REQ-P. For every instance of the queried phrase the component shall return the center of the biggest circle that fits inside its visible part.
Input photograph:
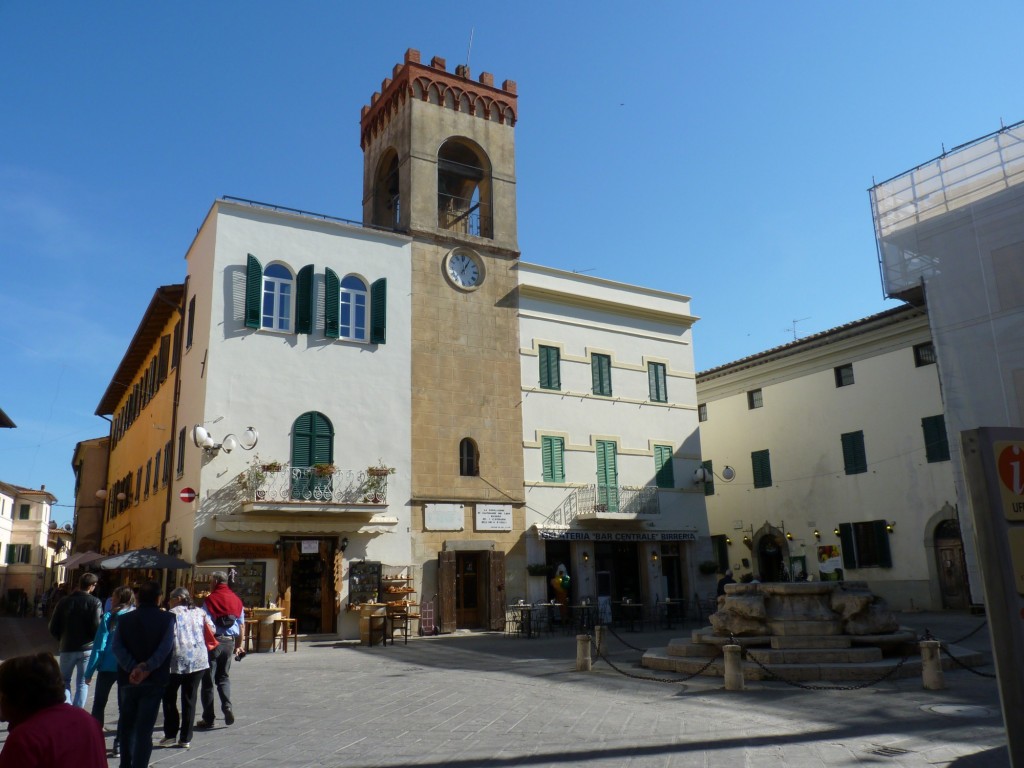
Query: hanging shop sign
(494, 517)
(212, 549)
(444, 517)
(553, 534)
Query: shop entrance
(621, 563)
(949, 549)
(672, 571)
(471, 589)
(770, 559)
(306, 577)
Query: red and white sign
(187, 495)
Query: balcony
(464, 215)
(607, 502)
(321, 489)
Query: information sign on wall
(444, 517)
(494, 517)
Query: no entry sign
(187, 494)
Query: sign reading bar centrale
(559, 535)
(494, 517)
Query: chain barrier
(963, 665)
(811, 687)
(617, 637)
(601, 655)
(971, 633)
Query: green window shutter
(656, 382)
(663, 474)
(846, 541)
(762, 466)
(550, 368)
(553, 459)
(312, 443)
(304, 300)
(332, 300)
(379, 311)
(709, 485)
(936, 444)
(854, 457)
(882, 542)
(601, 373)
(253, 291)
(607, 475)
(165, 358)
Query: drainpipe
(174, 422)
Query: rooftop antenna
(792, 328)
(469, 48)
(583, 271)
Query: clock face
(463, 270)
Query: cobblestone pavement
(483, 699)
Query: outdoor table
(630, 614)
(525, 619)
(583, 617)
(671, 609)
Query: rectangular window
(601, 372)
(607, 475)
(24, 512)
(165, 476)
(936, 446)
(19, 554)
(164, 358)
(855, 459)
(924, 354)
(702, 411)
(181, 452)
(664, 477)
(656, 382)
(761, 463)
(844, 375)
(552, 450)
(709, 484)
(149, 478)
(191, 322)
(865, 545)
(754, 399)
(156, 471)
(550, 367)
(176, 345)
(138, 484)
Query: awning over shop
(80, 559)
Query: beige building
(829, 456)
(89, 463)
(24, 529)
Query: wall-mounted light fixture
(101, 494)
(836, 531)
(817, 534)
(203, 439)
(890, 526)
(728, 541)
(344, 544)
(586, 557)
(746, 540)
(174, 547)
(789, 536)
(654, 556)
(705, 475)
(121, 496)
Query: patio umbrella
(144, 558)
(79, 559)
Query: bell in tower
(439, 154)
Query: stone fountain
(817, 630)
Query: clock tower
(439, 165)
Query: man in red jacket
(228, 615)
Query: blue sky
(720, 150)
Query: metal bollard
(599, 639)
(733, 667)
(931, 666)
(582, 653)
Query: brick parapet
(412, 79)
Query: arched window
(312, 444)
(469, 458)
(277, 298)
(353, 309)
(464, 189)
(386, 201)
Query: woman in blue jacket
(102, 657)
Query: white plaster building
(831, 453)
(296, 325)
(24, 525)
(610, 438)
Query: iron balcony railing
(316, 485)
(627, 501)
(460, 214)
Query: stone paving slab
(484, 699)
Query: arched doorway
(949, 551)
(772, 554)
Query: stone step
(816, 655)
(782, 643)
(800, 627)
(680, 647)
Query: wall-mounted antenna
(469, 48)
(792, 328)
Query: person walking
(142, 644)
(45, 731)
(228, 615)
(189, 662)
(102, 662)
(74, 623)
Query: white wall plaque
(444, 517)
(494, 517)
(310, 546)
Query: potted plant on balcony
(376, 481)
(323, 470)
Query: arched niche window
(464, 189)
(386, 199)
(275, 300)
(352, 312)
(469, 458)
(352, 309)
(312, 445)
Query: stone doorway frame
(778, 536)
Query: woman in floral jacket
(189, 660)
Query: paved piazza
(484, 699)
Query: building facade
(829, 457)
(24, 529)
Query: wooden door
(952, 573)
(469, 589)
(445, 619)
(496, 590)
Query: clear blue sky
(717, 149)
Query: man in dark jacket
(142, 644)
(74, 623)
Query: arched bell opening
(386, 197)
(464, 189)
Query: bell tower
(439, 165)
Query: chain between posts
(601, 655)
(944, 647)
